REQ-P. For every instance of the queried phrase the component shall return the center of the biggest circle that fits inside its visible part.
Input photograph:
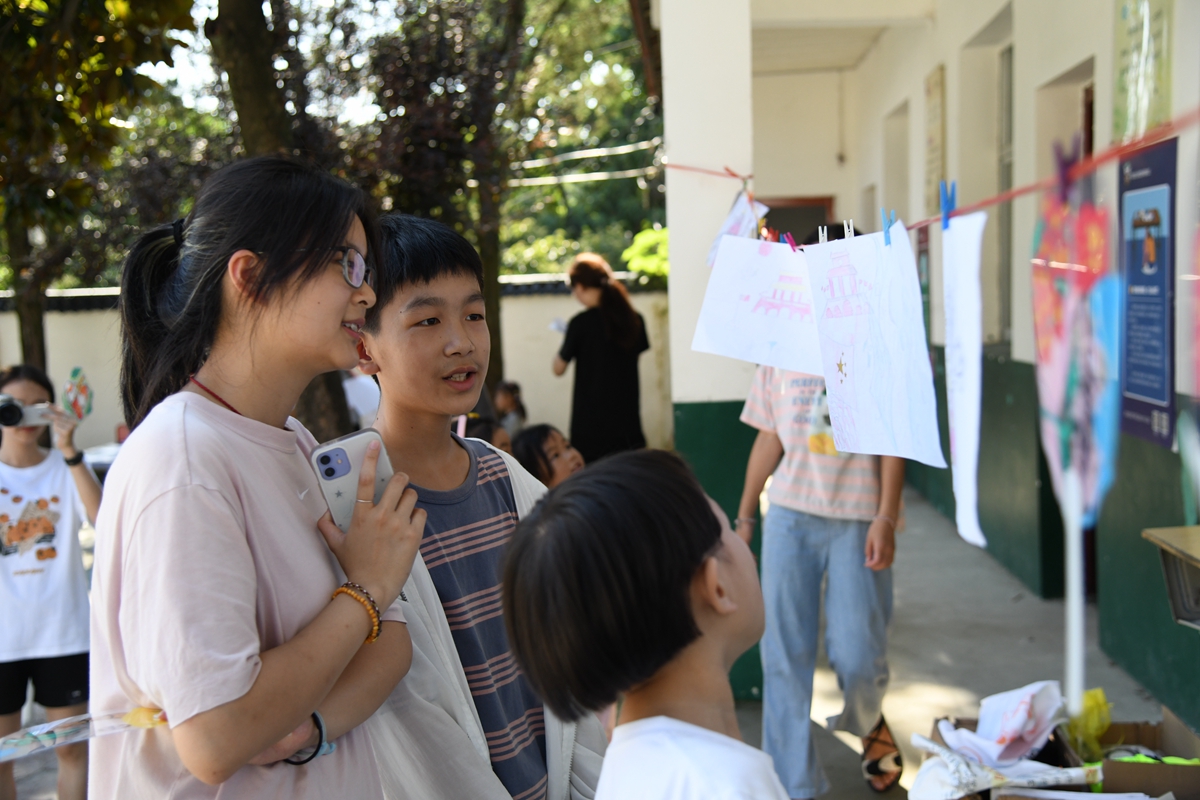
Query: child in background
(628, 579)
(509, 407)
(547, 454)
(465, 723)
(46, 495)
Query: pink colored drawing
(845, 290)
(789, 295)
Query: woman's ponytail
(291, 214)
(621, 320)
(149, 269)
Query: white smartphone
(339, 463)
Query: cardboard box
(1169, 737)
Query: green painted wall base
(1136, 627)
(717, 446)
(1020, 516)
(1017, 509)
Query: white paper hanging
(962, 245)
(742, 220)
(871, 329)
(758, 307)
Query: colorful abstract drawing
(1077, 316)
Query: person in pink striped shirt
(832, 515)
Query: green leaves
(648, 253)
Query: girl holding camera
(45, 495)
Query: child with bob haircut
(464, 722)
(546, 453)
(627, 579)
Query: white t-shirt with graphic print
(43, 590)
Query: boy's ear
(365, 362)
(710, 587)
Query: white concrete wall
(708, 123)
(1049, 40)
(88, 339)
(91, 339)
(530, 346)
(797, 141)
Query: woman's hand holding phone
(379, 549)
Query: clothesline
(727, 173)
(1079, 170)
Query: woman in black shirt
(605, 341)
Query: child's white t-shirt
(661, 758)
(43, 590)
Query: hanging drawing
(758, 307)
(962, 250)
(1077, 324)
(744, 219)
(871, 336)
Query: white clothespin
(822, 234)
(848, 228)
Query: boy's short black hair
(418, 250)
(598, 576)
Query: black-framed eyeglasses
(354, 267)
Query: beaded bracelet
(358, 587)
(886, 519)
(367, 602)
(737, 522)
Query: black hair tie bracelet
(323, 747)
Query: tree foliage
(67, 79)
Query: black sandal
(887, 764)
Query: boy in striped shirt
(832, 515)
(427, 343)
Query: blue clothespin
(887, 225)
(949, 202)
(1064, 161)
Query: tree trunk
(323, 408)
(245, 50)
(30, 305)
(490, 180)
(27, 296)
(651, 48)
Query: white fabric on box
(1011, 726)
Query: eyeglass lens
(354, 267)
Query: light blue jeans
(798, 550)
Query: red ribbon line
(727, 173)
(1084, 167)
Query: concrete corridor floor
(963, 628)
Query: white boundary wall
(91, 339)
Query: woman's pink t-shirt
(207, 554)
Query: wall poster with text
(1147, 256)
